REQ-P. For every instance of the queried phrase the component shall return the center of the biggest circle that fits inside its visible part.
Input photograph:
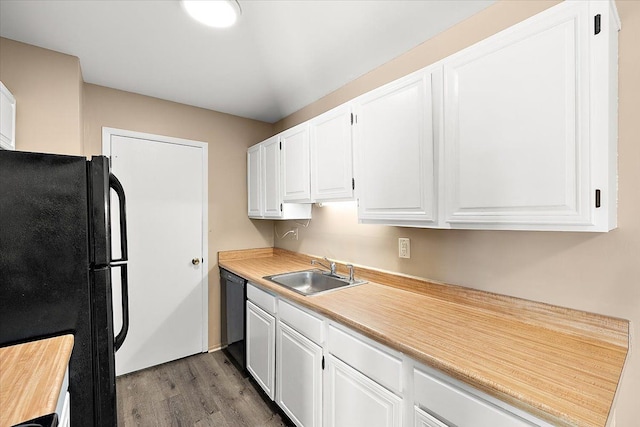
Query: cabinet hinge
(596, 24)
(323, 363)
(353, 183)
(597, 198)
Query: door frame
(107, 133)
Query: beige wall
(47, 86)
(228, 138)
(594, 272)
(58, 113)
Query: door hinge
(353, 183)
(323, 363)
(280, 207)
(597, 198)
(596, 24)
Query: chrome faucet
(331, 267)
(351, 276)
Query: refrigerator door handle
(117, 187)
(124, 279)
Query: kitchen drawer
(262, 299)
(457, 407)
(305, 323)
(377, 364)
(423, 419)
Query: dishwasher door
(235, 290)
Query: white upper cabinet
(254, 181)
(7, 119)
(271, 195)
(295, 164)
(264, 184)
(395, 135)
(332, 155)
(530, 124)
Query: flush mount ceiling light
(214, 13)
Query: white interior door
(166, 199)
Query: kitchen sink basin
(312, 282)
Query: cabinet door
(517, 125)
(299, 377)
(295, 164)
(7, 119)
(332, 155)
(422, 419)
(261, 329)
(354, 400)
(254, 180)
(271, 196)
(395, 152)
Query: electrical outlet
(404, 247)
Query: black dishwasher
(235, 290)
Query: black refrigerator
(56, 267)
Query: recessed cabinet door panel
(299, 368)
(396, 151)
(356, 401)
(331, 156)
(261, 335)
(516, 132)
(253, 181)
(271, 178)
(295, 164)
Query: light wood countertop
(559, 364)
(31, 376)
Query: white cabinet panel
(459, 408)
(7, 119)
(518, 145)
(264, 184)
(295, 164)
(332, 155)
(261, 329)
(262, 299)
(254, 181)
(299, 377)
(354, 400)
(310, 326)
(373, 361)
(271, 197)
(422, 419)
(395, 152)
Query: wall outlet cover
(404, 247)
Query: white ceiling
(280, 57)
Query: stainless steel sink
(312, 282)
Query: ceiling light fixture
(214, 13)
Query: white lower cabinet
(422, 419)
(261, 345)
(321, 373)
(65, 415)
(299, 377)
(353, 399)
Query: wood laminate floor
(201, 390)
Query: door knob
(195, 261)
